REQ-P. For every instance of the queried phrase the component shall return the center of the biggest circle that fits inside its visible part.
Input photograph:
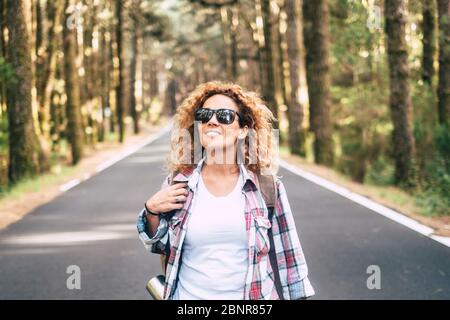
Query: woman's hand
(168, 199)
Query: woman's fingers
(172, 198)
(179, 199)
(179, 191)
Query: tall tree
(73, 112)
(2, 52)
(226, 31)
(317, 44)
(268, 85)
(24, 147)
(120, 87)
(105, 76)
(429, 42)
(296, 68)
(135, 30)
(400, 100)
(46, 63)
(444, 61)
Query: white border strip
(365, 202)
(130, 150)
(69, 185)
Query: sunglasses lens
(203, 115)
(225, 116)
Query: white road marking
(368, 203)
(69, 185)
(130, 150)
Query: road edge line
(367, 203)
(125, 153)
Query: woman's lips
(212, 133)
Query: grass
(56, 174)
(60, 170)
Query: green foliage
(435, 179)
(432, 153)
(363, 129)
(7, 74)
(380, 172)
(354, 43)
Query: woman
(212, 222)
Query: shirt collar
(192, 176)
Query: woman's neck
(212, 169)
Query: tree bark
(225, 15)
(24, 147)
(73, 112)
(234, 44)
(268, 85)
(104, 80)
(46, 65)
(2, 53)
(317, 43)
(399, 99)
(429, 43)
(120, 94)
(295, 56)
(133, 64)
(444, 61)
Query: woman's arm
(291, 260)
(153, 229)
(156, 240)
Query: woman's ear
(243, 132)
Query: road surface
(92, 226)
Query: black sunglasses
(224, 116)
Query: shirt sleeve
(153, 243)
(291, 260)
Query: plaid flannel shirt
(259, 283)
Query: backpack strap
(268, 189)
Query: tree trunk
(113, 79)
(45, 68)
(295, 107)
(234, 44)
(2, 53)
(444, 61)
(171, 97)
(282, 55)
(24, 147)
(226, 32)
(133, 63)
(73, 113)
(317, 43)
(268, 85)
(279, 56)
(105, 80)
(400, 100)
(120, 94)
(429, 43)
(89, 93)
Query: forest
(359, 86)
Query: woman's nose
(213, 120)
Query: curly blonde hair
(254, 113)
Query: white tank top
(214, 262)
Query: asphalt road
(92, 226)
